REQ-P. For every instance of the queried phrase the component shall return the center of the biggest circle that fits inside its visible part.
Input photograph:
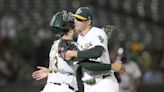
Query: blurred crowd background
(25, 39)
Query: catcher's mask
(61, 22)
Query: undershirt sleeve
(94, 66)
(94, 52)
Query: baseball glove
(108, 30)
(65, 45)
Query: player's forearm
(94, 52)
(90, 53)
(95, 66)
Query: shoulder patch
(101, 38)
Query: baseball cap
(83, 13)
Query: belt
(104, 76)
(70, 87)
(93, 81)
(64, 72)
(52, 71)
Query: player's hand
(41, 73)
(118, 67)
(70, 54)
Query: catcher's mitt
(65, 45)
(108, 30)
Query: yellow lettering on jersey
(87, 46)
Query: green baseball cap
(83, 13)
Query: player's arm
(97, 66)
(94, 52)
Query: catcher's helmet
(61, 22)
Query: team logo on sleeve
(101, 38)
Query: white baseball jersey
(62, 76)
(97, 37)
